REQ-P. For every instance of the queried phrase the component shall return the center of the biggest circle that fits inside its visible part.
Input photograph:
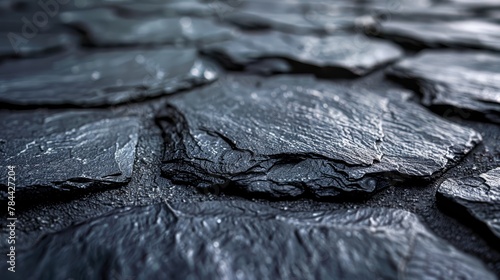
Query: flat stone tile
(66, 151)
(465, 33)
(468, 80)
(241, 240)
(337, 55)
(291, 135)
(21, 35)
(479, 195)
(102, 78)
(298, 23)
(106, 28)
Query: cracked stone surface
(464, 80)
(332, 55)
(153, 144)
(102, 78)
(244, 240)
(479, 195)
(71, 150)
(105, 28)
(320, 138)
(465, 33)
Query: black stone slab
(33, 33)
(106, 28)
(337, 55)
(241, 240)
(102, 78)
(65, 151)
(465, 80)
(425, 32)
(298, 23)
(479, 195)
(292, 135)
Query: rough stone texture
(247, 241)
(472, 33)
(331, 55)
(480, 195)
(102, 78)
(57, 212)
(105, 28)
(67, 150)
(465, 80)
(319, 138)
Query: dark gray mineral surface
(247, 241)
(464, 80)
(106, 77)
(20, 37)
(105, 28)
(319, 138)
(479, 195)
(71, 150)
(435, 33)
(249, 139)
(331, 55)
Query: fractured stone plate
(463, 79)
(348, 53)
(67, 150)
(479, 195)
(241, 240)
(469, 33)
(290, 135)
(105, 28)
(100, 78)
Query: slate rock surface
(480, 195)
(464, 80)
(298, 21)
(342, 166)
(287, 136)
(237, 240)
(105, 28)
(67, 150)
(425, 32)
(330, 55)
(101, 78)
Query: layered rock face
(319, 138)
